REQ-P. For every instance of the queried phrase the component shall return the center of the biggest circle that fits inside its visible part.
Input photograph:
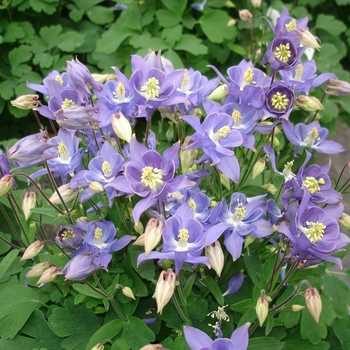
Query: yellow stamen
(98, 233)
(221, 133)
(151, 88)
(183, 237)
(62, 151)
(151, 177)
(106, 169)
(59, 79)
(192, 204)
(239, 213)
(67, 234)
(119, 93)
(312, 184)
(298, 72)
(237, 117)
(291, 25)
(184, 83)
(311, 138)
(314, 231)
(67, 103)
(248, 77)
(279, 101)
(283, 52)
(220, 314)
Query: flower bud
(297, 308)
(99, 346)
(187, 156)
(262, 308)
(152, 347)
(225, 180)
(164, 289)
(219, 93)
(313, 303)
(66, 192)
(340, 88)
(138, 227)
(49, 275)
(248, 240)
(245, 15)
(170, 132)
(256, 3)
(96, 187)
(270, 187)
(307, 39)
(258, 168)
(102, 78)
(33, 250)
(344, 221)
(153, 234)
(38, 269)
(29, 202)
(6, 183)
(215, 256)
(121, 126)
(235, 283)
(140, 240)
(26, 101)
(309, 103)
(128, 292)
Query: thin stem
(340, 175)
(323, 96)
(251, 38)
(53, 127)
(178, 308)
(11, 225)
(288, 275)
(41, 127)
(274, 269)
(148, 126)
(9, 243)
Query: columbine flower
(340, 88)
(313, 303)
(6, 184)
(197, 340)
(311, 136)
(70, 237)
(33, 250)
(29, 202)
(164, 289)
(26, 102)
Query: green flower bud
(262, 308)
(309, 103)
(219, 93)
(313, 303)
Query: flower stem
(11, 226)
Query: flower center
(220, 314)
(151, 177)
(184, 83)
(151, 88)
(98, 236)
(106, 169)
(298, 72)
(183, 237)
(237, 117)
(67, 234)
(314, 231)
(62, 151)
(119, 92)
(59, 79)
(248, 77)
(312, 136)
(283, 52)
(221, 133)
(312, 184)
(192, 204)
(287, 171)
(291, 25)
(67, 103)
(279, 101)
(239, 213)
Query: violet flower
(198, 340)
(70, 237)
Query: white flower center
(151, 88)
(151, 177)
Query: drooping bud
(245, 15)
(153, 234)
(49, 275)
(99, 346)
(128, 292)
(6, 183)
(307, 39)
(258, 168)
(38, 269)
(138, 227)
(262, 308)
(26, 101)
(297, 308)
(164, 289)
(66, 192)
(340, 88)
(33, 250)
(121, 126)
(344, 221)
(309, 103)
(187, 156)
(313, 303)
(29, 202)
(215, 256)
(96, 187)
(270, 187)
(219, 93)
(140, 240)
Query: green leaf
(174, 58)
(192, 45)
(214, 24)
(44, 59)
(107, 331)
(7, 261)
(69, 41)
(135, 326)
(85, 5)
(19, 55)
(50, 212)
(146, 41)
(101, 15)
(75, 323)
(214, 289)
(4, 248)
(15, 311)
(177, 7)
(112, 39)
(48, 6)
(86, 290)
(310, 330)
(131, 19)
(237, 49)
(50, 34)
(330, 24)
(13, 32)
(147, 18)
(189, 22)
(264, 343)
(172, 35)
(312, 3)
(341, 329)
(243, 306)
(146, 270)
(254, 269)
(7, 88)
(167, 19)
(342, 2)
(75, 15)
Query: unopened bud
(219, 93)
(309, 103)
(256, 3)
(128, 292)
(140, 241)
(215, 256)
(152, 347)
(29, 202)
(262, 308)
(340, 88)
(307, 39)
(187, 156)
(6, 183)
(231, 22)
(164, 289)
(297, 308)
(96, 187)
(248, 240)
(49, 275)
(33, 250)
(66, 193)
(26, 101)
(197, 112)
(38, 269)
(225, 180)
(121, 126)
(245, 15)
(313, 303)
(344, 221)
(270, 187)
(170, 132)
(258, 168)
(99, 346)
(138, 227)
(102, 78)
(153, 234)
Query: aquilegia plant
(169, 210)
